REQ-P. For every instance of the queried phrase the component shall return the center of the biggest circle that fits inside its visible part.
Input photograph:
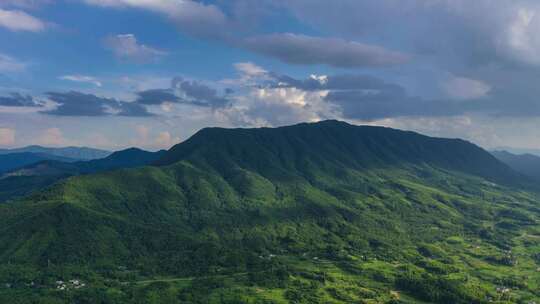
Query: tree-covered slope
(313, 213)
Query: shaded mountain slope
(526, 164)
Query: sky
(150, 73)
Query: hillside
(75, 153)
(36, 176)
(312, 213)
(526, 164)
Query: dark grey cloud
(132, 109)
(390, 103)
(185, 92)
(157, 97)
(200, 94)
(19, 100)
(302, 49)
(80, 104)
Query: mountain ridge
(77, 153)
(367, 147)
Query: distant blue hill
(38, 175)
(76, 153)
(526, 164)
(16, 160)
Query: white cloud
(278, 106)
(10, 64)
(148, 139)
(250, 69)
(7, 137)
(83, 79)
(165, 140)
(15, 20)
(249, 74)
(463, 88)
(127, 47)
(52, 137)
(520, 38)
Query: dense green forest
(312, 213)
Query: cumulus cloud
(19, 100)
(82, 79)
(7, 136)
(15, 20)
(302, 49)
(250, 69)
(80, 104)
(146, 137)
(126, 47)
(166, 140)
(52, 137)
(10, 64)
(367, 98)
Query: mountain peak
(332, 143)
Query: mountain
(526, 164)
(313, 213)
(519, 151)
(16, 160)
(288, 149)
(36, 176)
(76, 153)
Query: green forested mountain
(312, 213)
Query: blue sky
(150, 73)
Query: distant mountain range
(74, 153)
(526, 164)
(19, 159)
(519, 151)
(37, 175)
(322, 212)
